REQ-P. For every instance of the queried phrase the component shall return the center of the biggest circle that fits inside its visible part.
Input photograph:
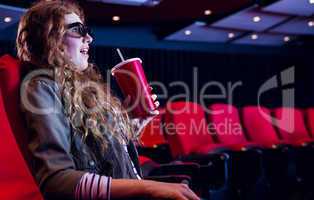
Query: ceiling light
(254, 36)
(207, 12)
(311, 1)
(286, 39)
(7, 19)
(187, 32)
(311, 23)
(115, 18)
(155, 2)
(256, 19)
(230, 35)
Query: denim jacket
(59, 156)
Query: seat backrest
(186, 128)
(258, 124)
(290, 124)
(153, 134)
(10, 84)
(16, 181)
(224, 121)
(309, 113)
(10, 80)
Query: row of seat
(186, 129)
(252, 125)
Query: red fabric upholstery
(186, 129)
(291, 126)
(225, 123)
(10, 82)
(143, 159)
(15, 170)
(152, 134)
(16, 182)
(310, 120)
(259, 128)
(10, 86)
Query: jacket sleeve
(50, 140)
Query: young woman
(80, 134)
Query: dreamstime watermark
(198, 93)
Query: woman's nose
(88, 38)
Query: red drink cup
(131, 79)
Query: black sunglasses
(81, 29)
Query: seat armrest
(189, 169)
(160, 153)
(215, 168)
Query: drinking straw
(120, 54)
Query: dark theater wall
(244, 72)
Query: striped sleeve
(93, 186)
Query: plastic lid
(124, 62)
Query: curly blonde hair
(88, 101)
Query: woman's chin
(85, 66)
(81, 67)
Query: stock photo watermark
(284, 81)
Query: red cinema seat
(187, 131)
(10, 72)
(258, 124)
(246, 157)
(16, 181)
(152, 135)
(189, 140)
(10, 84)
(225, 122)
(279, 157)
(309, 113)
(291, 126)
(152, 141)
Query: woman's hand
(140, 123)
(173, 191)
(129, 188)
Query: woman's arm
(93, 186)
(49, 139)
(126, 188)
